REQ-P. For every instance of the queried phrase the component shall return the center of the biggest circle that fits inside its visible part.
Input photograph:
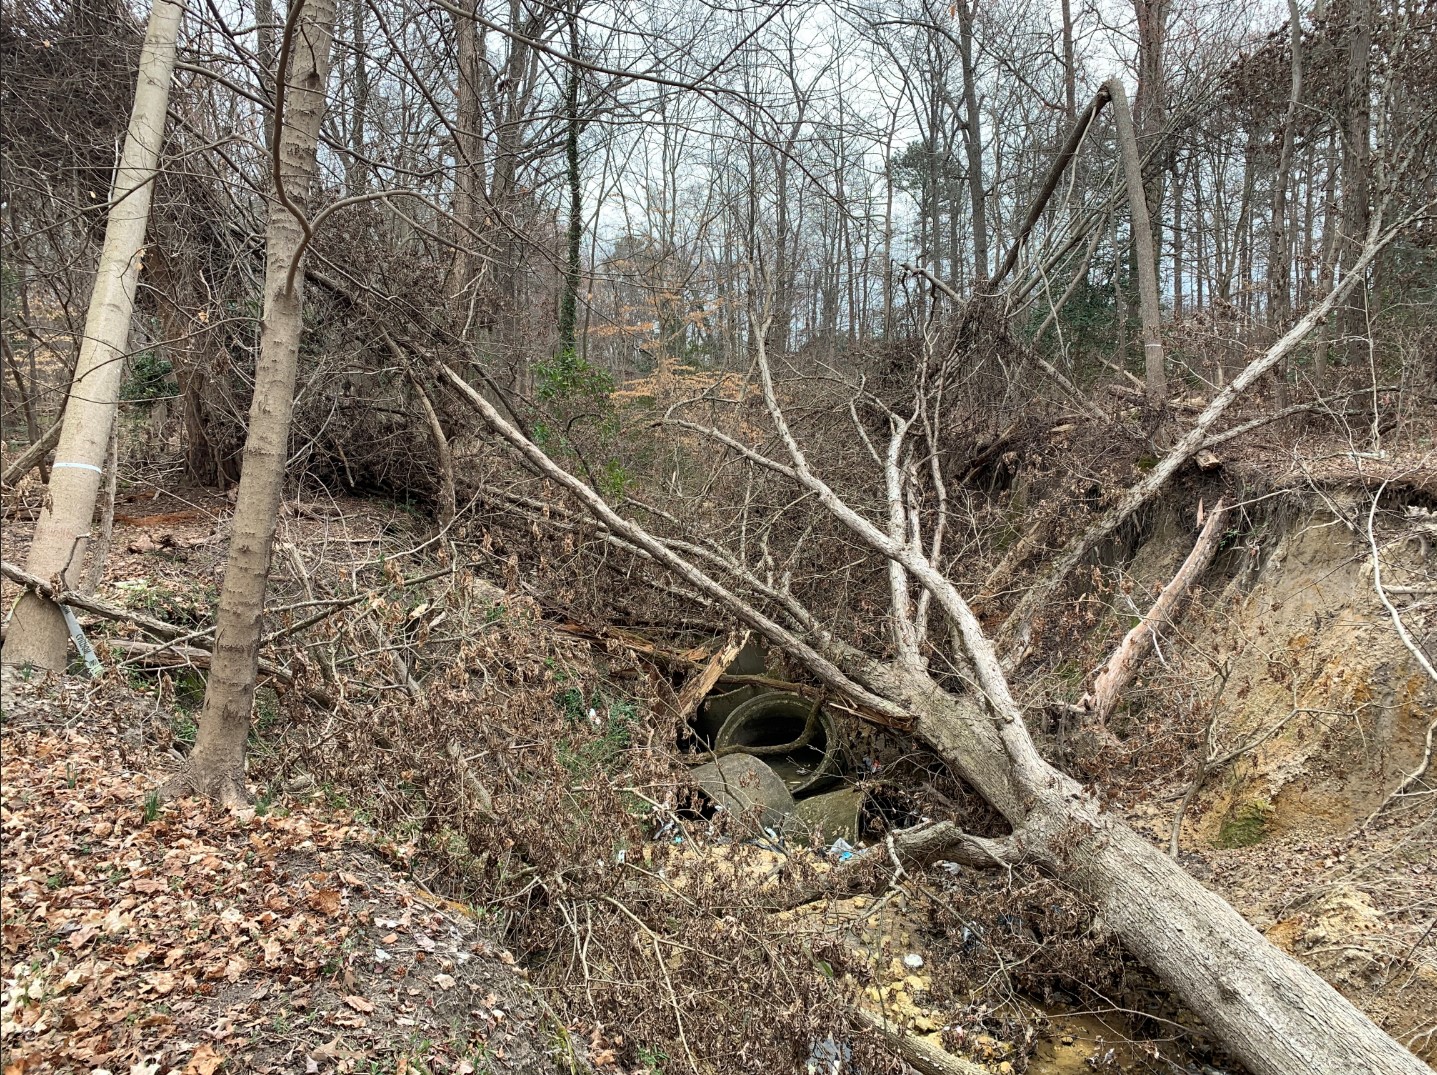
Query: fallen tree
(1275, 1014)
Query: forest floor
(147, 938)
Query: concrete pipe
(766, 725)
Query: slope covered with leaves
(151, 939)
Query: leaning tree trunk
(216, 765)
(1277, 1016)
(1154, 366)
(37, 632)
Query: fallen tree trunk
(1120, 668)
(1276, 1015)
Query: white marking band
(76, 466)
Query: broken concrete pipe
(776, 727)
(832, 814)
(716, 709)
(740, 783)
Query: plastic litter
(842, 848)
(913, 961)
(828, 1057)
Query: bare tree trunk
(1117, 672)
(1279, 258)
(468, 176)
(1178, 298)
(1077, 131)
(37, 632)
(357, 171)
(973, 140)
(1153, 364)
(1070, 66)
(569, 300)
(1327, 269)
(1356, 167)
(264, 53)
(1152, 20)
(216, 765)
(1277, 1015)
(1279, 291)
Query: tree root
(228, 788)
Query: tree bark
(215, 767)
(1279, 289)
(37, 632)
(1155, 368)
(1279, 259)
(356, 169)
(1356, 167)
(468, 171)
(1152, 23)
(569, 300)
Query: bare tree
(215, 768)
(1154, 364)
(62, 535)
(1278, 1016)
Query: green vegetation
(151, 377)
(1246, 825)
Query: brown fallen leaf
(359, 1004)
(204, 1061)
(325, 901)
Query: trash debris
(842, 848)
(913, 961)
(828, 1057)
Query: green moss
(1246, 825)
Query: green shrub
(151, 377)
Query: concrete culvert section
(741, 783)
(777, 728)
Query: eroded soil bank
(1285, 668)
